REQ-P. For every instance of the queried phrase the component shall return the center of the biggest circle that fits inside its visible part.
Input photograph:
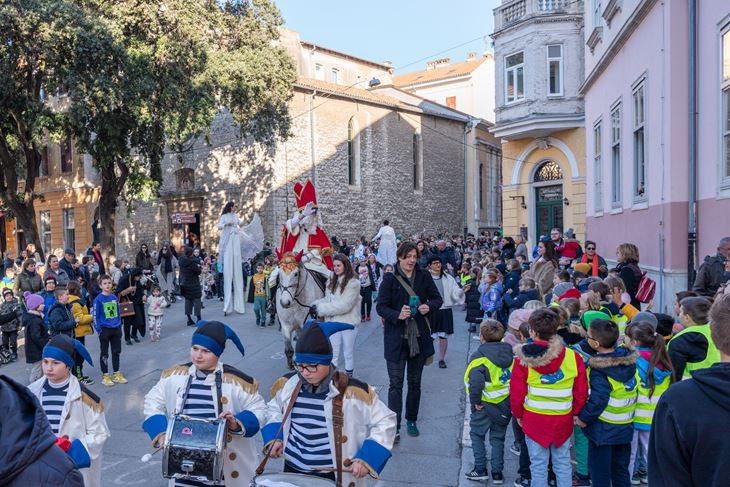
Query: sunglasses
(590, 248)
(311, 368)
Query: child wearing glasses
(304, 432)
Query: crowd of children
(581, 368)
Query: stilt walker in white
(238, 243)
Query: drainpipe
(692, 195)
(470, 124)
(311, 136)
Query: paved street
(433, 459)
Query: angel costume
(387, 247)
(237, 244)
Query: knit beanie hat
(7, 290)
(570, 293)
(62, 348)
(517, 317)
(32, 301)
(313, 346)
(213, 336)
(583, 268)
(560, 288)
(648, 317)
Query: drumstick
(146, 458)
(330, 469)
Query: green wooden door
(548, 209)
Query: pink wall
(714, 206)
(658, 50)
(643, 228)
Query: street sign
(179, 218)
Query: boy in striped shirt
(238, 401)
(76, 414)
(307, 436)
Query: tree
(184, 61)
(44, 46)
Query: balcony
(513, 11)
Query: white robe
(230, 254)
(79, 421)
(387, 247)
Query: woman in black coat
(408, 343)
(130, 288)
(190, 284)
(627, 255)
(474, 313)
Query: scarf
(594, 263)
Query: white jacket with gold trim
(239, 395)
(369, 426)
(84, 423)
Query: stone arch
(533, 146)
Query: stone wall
(262, 180)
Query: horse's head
(290, 271)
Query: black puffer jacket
(29, 456)
(710, 275)
(36, 337)
(190, 277)
(474, 313)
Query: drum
(289, 480)
(193, 449)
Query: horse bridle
(297, 290)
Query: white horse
(295, 293)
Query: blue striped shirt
(308, 444)
(53, 400)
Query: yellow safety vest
(622, 403)
(552, 394)
(646, 405)
(713, 354)
(497, 389)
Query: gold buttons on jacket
(224, 400)
(344, 439)
(232, 456)
(229, 438)
(234, 474)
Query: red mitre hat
(305, 193)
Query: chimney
(388, 64)
(471, 56)
(438, 63)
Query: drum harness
(218, 388)
(340, 381)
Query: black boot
(190, 320)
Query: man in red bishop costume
(303, 233)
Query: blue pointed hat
(62, 348)
(213, 336)
(313, 346)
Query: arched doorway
(548, 187)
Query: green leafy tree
(184, 62)
(143, 78)
(44, 46)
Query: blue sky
(401, 31)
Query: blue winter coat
(620, 365)
(61, 320)
(29, 456)
(512, 281)
(517, 302)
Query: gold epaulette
(176, 370)
(278, 385)
(368, 397)
(94, 403)
(249, 387)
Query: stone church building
(371, 156)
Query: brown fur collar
(555, 347)
(605, 362)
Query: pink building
(638, 131)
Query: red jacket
(569, 249)
(545, 358)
